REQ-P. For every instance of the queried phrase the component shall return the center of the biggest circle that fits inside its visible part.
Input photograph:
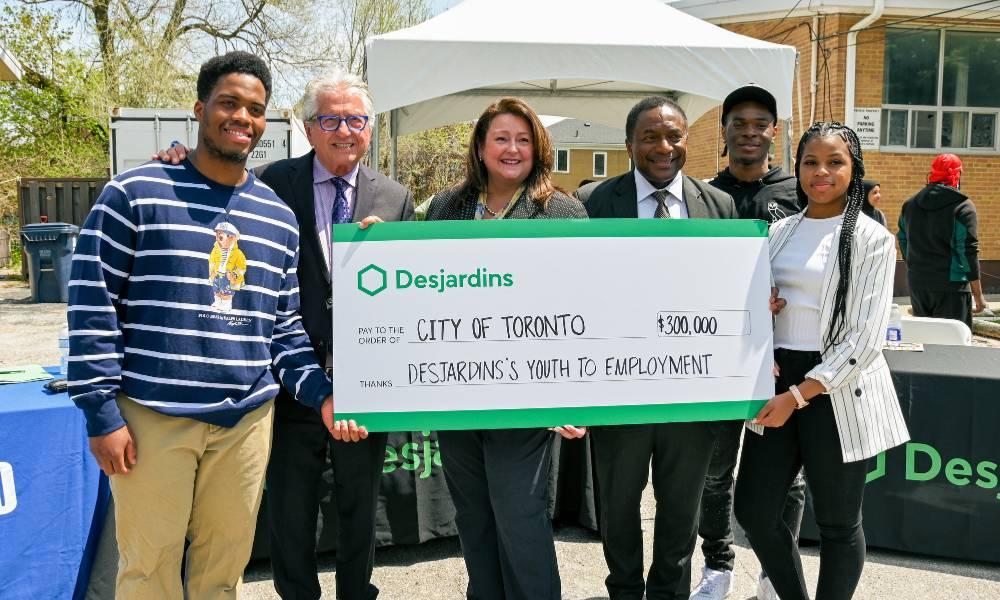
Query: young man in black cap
(749, 124)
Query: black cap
(750, 93)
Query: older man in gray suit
(656, 133)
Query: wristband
(800, 402)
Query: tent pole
(393, 146)
(373, 147)
(786, 155)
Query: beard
(234, 157)
(749, 161)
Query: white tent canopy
(588, 59)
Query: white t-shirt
(798, 272)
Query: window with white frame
(600, 164)
(561, 161)
(939, 90)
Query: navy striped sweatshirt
(184, 296)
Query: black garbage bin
(48, 248)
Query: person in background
(873, 197)
(749, 126)
(178, 397)
(939, 239)
(835, 405)
(497, 476)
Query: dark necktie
(661, 205)
(341, 211)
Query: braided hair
(855, 201)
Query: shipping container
(138, 133)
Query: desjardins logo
(420, 456)
(373, 280)
(925, 463)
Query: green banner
(544, 228)
(552, 417)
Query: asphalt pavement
(435, 571)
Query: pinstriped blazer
(854, 372)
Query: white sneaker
(714, 585)
(765, 591)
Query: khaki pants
(192, 481)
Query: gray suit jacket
(615, 198)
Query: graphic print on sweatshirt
(227, 266)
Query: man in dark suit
(327, 186)
(656, 132)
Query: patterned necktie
(661, 205)
(341, 211)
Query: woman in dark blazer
(498, 478)
(836, 405)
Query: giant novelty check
(491, 324)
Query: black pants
(943, 305)
(769, 463)
(298, 459)
(499, 480)
(680, 454)
(715, 525)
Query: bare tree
(145, 46)
(361, 19)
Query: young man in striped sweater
(176, 383)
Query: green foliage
(430, 161)
(50, 124)
(84, 57)
(16, 256)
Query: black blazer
(292, 180)
(615, 198)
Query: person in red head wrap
(939, 240)
(946, 169)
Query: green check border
(551, 417)
(547, 228)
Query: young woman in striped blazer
(836, 405)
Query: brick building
(586, 151)
(924, 74)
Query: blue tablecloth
(53, 496)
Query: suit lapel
(523, 208)
(782, 235)
(830, 283)
(367, 192)
(304, 199)
(696, 207)
(625, 205)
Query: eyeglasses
(355, 123)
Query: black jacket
(616, 198)
(939, 238)
(292, 180)
(770, 198)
